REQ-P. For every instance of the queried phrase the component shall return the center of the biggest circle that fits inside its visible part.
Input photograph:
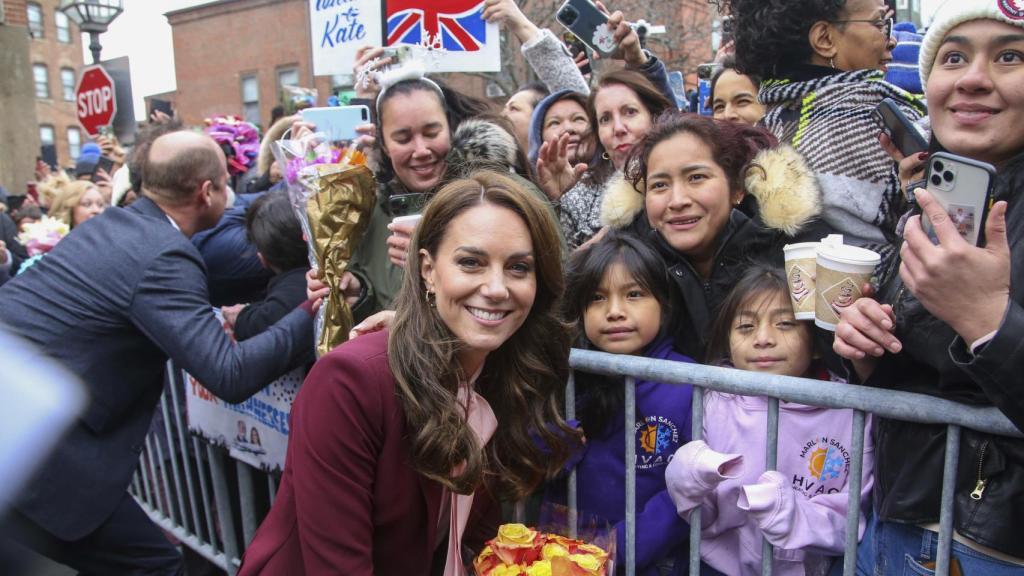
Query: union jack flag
(454, 25)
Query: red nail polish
(922, 155)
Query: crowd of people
(589, 212)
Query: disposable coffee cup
(801, 260)
(841, 272)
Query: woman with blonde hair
(77, 202)
(402, 439)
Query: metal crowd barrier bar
(184, 485)
(885, 403)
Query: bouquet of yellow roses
(521, 551)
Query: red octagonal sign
(95, 99)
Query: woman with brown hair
(619, 112)
(401, 440)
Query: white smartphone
(337, 122)
(409, 218)
(964, 188)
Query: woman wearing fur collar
(685, 181)
(823, 63)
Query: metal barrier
(203, 503)
(885, 403)
(208, 495)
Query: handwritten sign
(338, 28)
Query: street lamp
(92, 16)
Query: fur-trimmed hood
(786, 190)
(478, 143)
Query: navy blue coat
(118, 296)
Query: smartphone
(158, 105)
(704, 74)
(727, 26)
(577, 46)
(411, 219)
(337, 122)
(590, 25)
(964, 187)
(398, 54)
(406, 204)
(107, 164)
(898, 128)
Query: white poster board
(255, 431)
(456, 28)
(338, 28)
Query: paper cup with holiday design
(800, 264)
(841, 272)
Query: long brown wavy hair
(522, 380)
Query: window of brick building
(287, 77)
(67, 84)
(74, 142)
(35, 19)
(46, 135)
(41, 79)
(63, 28)
(251, 99)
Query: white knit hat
(953, 13)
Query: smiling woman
(950, 323)
(403, 440)
(690, 173)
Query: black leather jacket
(909, 457)
(744, 240)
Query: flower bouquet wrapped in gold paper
(333, 192)
(521, 551)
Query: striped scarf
(829, 120)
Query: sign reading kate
(338, 29)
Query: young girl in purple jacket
(619, 291)
(801, 506)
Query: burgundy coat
(349, 501)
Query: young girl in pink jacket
(801, 506)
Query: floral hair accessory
(408, 70)
(239, 139)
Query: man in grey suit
(116, 298)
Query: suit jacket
(118, 296)
(349, 502)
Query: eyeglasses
(884, 25)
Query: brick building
(232, 56)
(19, 131)
(41, 55)
(56, 60)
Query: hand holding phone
(338, 122)
(106, 164)
(588, 23)
(899, 128)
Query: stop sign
(95, 98)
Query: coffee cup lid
(800, 246)
(849, 254)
